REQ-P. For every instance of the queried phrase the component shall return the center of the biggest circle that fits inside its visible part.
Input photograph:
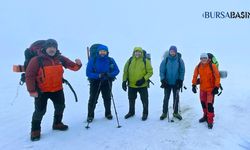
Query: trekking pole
(175, 101)
(96, 97)
(168, 115)
(14, 99)
(112, 97)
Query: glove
(215, 91)
(124, 85)
(179, 83)
(140, 82)
(164, 84)
(22, 80)
(103, 75)
(194, 89)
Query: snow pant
(132, 95)
(97, 86)
(207, 101)
(41, 105)
(167, 92)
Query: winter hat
(50, 43)
(204, 55)
(137, 49)
(174, 48)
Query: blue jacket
(173, 70)
(100, 65)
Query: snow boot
(163, 116)
(35, 130)
(128, 115)
(109, 116)
(60, 126)
(203, 119)
(210, 125)
(90, 119)
(177, 115)
(144, 117)
(35, 135)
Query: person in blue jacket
(172, 71)
(101, 72)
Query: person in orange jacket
(44, 77)
(209, 85)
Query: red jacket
(46, 73)
(208, 79)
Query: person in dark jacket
(172, 71)
(44, 76)
(101, 71)
(137, 72)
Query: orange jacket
(208, 79)
(46, 73)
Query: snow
(154, 25)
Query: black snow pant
(97, 86)
(167, 92)
(132, 95)
(41, 105)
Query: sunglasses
(203, 58)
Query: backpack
(213, 59)
(35, 49)
(146, 56)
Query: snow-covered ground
(154, 25)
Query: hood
(138, 49)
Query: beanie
(50, 43)
(174, 48)
(204, 55)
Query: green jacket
(137, 71)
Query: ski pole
(96, 97)
(112, 97)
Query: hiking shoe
(144, 117)
(177, 115)
(35, 135)
(60, 126)
(163, 116)
(128, 115)
(109, 117)
(210, 125)
(90, 119)
(203, 119)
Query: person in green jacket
(136, 74)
